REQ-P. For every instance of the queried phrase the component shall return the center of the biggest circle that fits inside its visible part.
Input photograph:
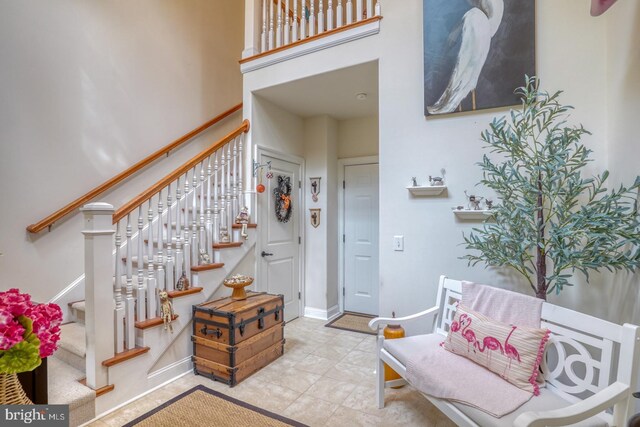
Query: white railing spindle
(349, 12)
(208, 226)
(294, 26)
(279, 29)
(140, 292)
(151, 278)
(229, 213)
(271, 32)
(179, 241)
(339, 14)
(263, 35)
(202, 235)
(241, 201)
(119, 310)
(369, 9)
(321, 16)
(216, 206)
(160, 275)
(184, 230)
(303, 20)
(194, 214)
(287, 24)
(312, 21)
(234, 196)
(170, 263)
(130, 335)
(330, 16)
(359, 10)
(223, 226)
(378, 11)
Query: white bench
(590, 366)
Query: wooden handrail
(57, 215)
(164, 182)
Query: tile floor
(325, 378)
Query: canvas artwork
(476, 53)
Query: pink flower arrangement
(28, 331)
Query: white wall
(86, 90)
(358, 137)
(276, 128)
(623, 132)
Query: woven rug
(354, 322)
(201, 406)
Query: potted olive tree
(551, 221)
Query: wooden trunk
(233, 339)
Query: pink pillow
(513, 352)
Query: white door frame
(351, 161)
(301, 253)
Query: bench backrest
(584, 354)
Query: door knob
(264, 254)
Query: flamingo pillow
(513, 352)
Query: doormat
(354, 322)
(202, 406)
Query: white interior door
(279, 245)
(361, 274)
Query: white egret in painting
(476, 30)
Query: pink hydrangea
(11, 332)
(15, 302)
(46, 325)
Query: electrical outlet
(398, 243)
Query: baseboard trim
(320, 314)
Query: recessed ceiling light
(361, 96)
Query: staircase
(113, 346)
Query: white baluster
(179, 241)
(184, 231)
(339, 14)
(349, 12)
(119, 310)
(160, 275)
(234, 196)
(378, 12)
(151, 277)
(216, 207)
(369, 9)
(241, 201)
(202, 235)
(223, 218)
(140, 292)
(330, 16)
(358, 10)
(263, 35)
(194, 214)
(287, 24)
(229, 213)
(208, 226)
(303, 20)
(321, 16)
(271, 33)
(294, 28)
(279, 30)
(130, 335)
(312, 20)
(171, 280)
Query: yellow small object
(391, 332)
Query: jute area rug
(201, 406)
(354, 322)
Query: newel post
(98, 285)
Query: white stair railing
(203, 213)
(282, 24)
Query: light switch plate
(398, 243)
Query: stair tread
(190, 291)
(206, 267)
(150, 323)
(64, 388)
(78, 305)
(248, 226)
(72, 339)
(125, 355)
(227, 245)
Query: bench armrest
(578, 411)
(379, 321)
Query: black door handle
(264, 254)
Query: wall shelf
(427, 190)
(473, 214)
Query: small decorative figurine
(474, 201)
(243, 218)
(224, 235)
(166, 310)
(204, 257)
(414, 182)
(436, 180)
(489, 203)
(183, 281)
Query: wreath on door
(283, 199)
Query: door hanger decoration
(283, 198)
(315, 188)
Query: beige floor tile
(315, 364)
(311, 411)
(349, 341)
(363, 399)
(295, 379)
(269, 396)
(331, 390)
(343, 417)
(368, 344)
(351, 373)
(331, 351)
(361, 358)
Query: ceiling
(332, 93)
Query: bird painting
(476, 53)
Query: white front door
(361, 238)
(279, 246)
